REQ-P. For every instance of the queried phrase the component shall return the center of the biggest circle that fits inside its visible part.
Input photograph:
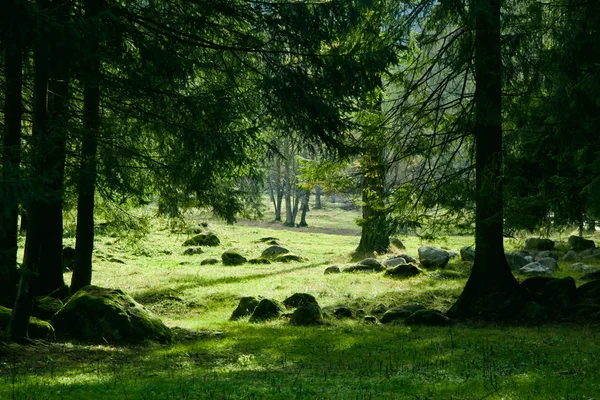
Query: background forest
(421, 119)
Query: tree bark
(491, 288)
(82, 273)
(53, 160)
(11, 158)
(305, 208)
(19, 319)
(318, 204)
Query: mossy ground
(213, 358)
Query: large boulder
(540, 244)
(298, 299)
(432, 258)
(560, 293)
(403, 271)
(100, 315)
(274, 251)
(467, 253)
(306, 315)
(267, 309)
(536, 284)
(37, 328)
(246, 307)
(232, 257)
(578, 243)
(203, 239)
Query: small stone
(334, 269)
(298, 299)
(578, 243)
(285, 258)
(581, 267)
(274, 251)
(548, 262)
(428, 318)
(431, 257)
(467, 253)
(540, 244)
(246, 306)
(570, 256)
(307, 315)
(259, 260)
(395, 261)
(403, 271)
(535, 268)
(267, 309)
(209, 261)
(232, 257)
(400, 313)
(397, 243)
(192, 251)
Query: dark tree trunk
(333, 197)
(375, 235)
(491, 288)
(50, 272)
(304, 208)
(318, 204)
(82, 273)
(19, 320)
(277, 189)
(11, 158)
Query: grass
(213, 358)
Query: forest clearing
(212, 357)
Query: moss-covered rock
(306, 315)
(37, 328)
(267, 309)
(209, 261)
(285, 258)
(299, 299)
(246, 307)
(429, 318)
(191, 251)
(203, 239)
(100, 315)
(44, 307)
(400, 313)
(232, 257)
(334, 269)
(259, 260)
(403, 271)
(274, 251)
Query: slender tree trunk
(318, 204)
(276, 188)
(11, 158)
(491, 286)
(305, 208)
(82, 273)
(333, 197)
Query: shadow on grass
(333, 362)
(191, 281)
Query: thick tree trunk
(50, 272)
(19, 320)
(491, 289)
(11, 160)
(375, 234)
(82, 273)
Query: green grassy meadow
(213, 358)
